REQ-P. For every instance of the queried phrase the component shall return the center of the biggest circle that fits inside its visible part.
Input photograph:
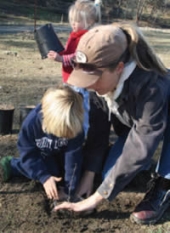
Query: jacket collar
(129, 68)
(113, 95)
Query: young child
(83, 15)
(50, 143)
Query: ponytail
(141, 51)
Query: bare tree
(140, 7)
(158, 7)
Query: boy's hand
(54, 56)
(51, 188)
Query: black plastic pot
(47, 40)
(24, 111)
(6, 120)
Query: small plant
(159, 230)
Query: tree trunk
(140, 7)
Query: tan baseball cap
(100, 47)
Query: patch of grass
(159, 230)
(18, 14)
(160, 41)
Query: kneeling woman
(116, 61)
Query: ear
(120, 67)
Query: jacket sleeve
(149, 122)
(73, 163)
(31, 163)
(97, 141)
(67, 59)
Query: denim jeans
(163, 165)
(114, 154)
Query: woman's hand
(85, 205)
(85, 187)
(54, 56)
(51, 188)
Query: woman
(117, 62)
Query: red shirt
(70, 49)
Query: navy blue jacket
(34, 145)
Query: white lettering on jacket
(47, 143)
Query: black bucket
(6, 120)
(24, 111)
(47, 40)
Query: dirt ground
(24, 77)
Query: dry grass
(160, 40)
(24, 75)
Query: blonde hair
(62, 111)
(140, 50)
(86, 11)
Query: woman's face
(107, 82)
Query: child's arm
(31, 162)
(33, 166)
(96, 145)
(73, 164)
(55, 56)
(65, 59)
(97, 141)
(50, 187)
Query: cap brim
(81, 78)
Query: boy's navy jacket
(35, 145)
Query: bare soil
(24, 207)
